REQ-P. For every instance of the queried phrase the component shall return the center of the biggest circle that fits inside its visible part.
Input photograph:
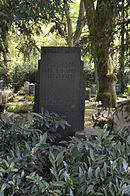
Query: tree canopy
(95, 25)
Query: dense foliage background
(27, 25)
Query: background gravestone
(93, 89)
(26, 87)
(1, 84)
(31, 89)
(60, 86)
(88, 94)
(0, 97)
(121, 116)
(118, 89)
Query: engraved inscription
(66, 71)
(50, 101)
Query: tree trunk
(69, 24)
(101, 27)
(106, 80)
(122, 52)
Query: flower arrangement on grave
(99, 119)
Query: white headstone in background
(31, 89)
(122, 116)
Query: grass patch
(20, 107)
(90, 105)
(90, 109)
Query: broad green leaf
(90, 172)
(92, 155)
(3, 187)
(105, 192)
(60, 158)
(98, 193)
(4, 118)
(105, 169)
(105, 134)
(129, 139)
(125, 164)
(71, 192)
(111, 189)
(6, 163)
(58, 184)
(52, 159)
(90, 188)
(2, 193)
(97, 172)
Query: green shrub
(93, 167)
(29, 98)
(18, 107)
(51, 122)
(2, 107)
(127, 92)
(23, 152)
(88, 167)
(31, 166)
(128, 87)
(11, 98)
(21, 91)
(5, 95)
(87, 93)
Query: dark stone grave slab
(60, 86)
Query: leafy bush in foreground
(24, 151)
(30, 166)
(93, 167)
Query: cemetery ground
(23, 104)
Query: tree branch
(69, 24)
(90, 13)
(80, 22)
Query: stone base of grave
(89, 131)
(122, 116)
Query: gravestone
(88, 94)
(60, 86)
(31, 89)
(0, 97)
(1, 84)
(93, 89)
(118, 89)
(121, 116)
(26, 87)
